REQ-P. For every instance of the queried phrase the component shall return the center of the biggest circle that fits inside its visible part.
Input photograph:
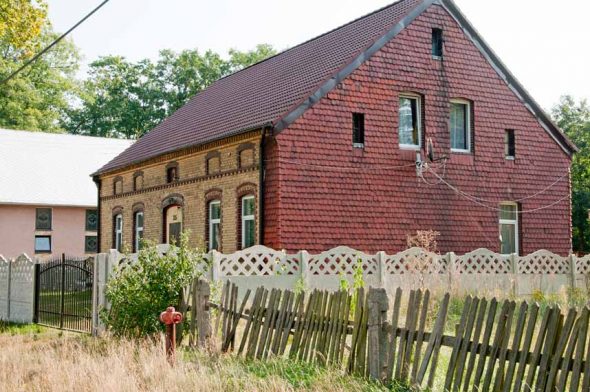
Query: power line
(41, 53)
(474, 200)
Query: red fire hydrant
(171, 317)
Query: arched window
(118, 231)
(172, 172)
(214, 224)
(245, 155)
(213, 159)
(138, 181)
(118, 185)
(248, 221)
(172, 218)
(137, 230)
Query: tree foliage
(125, 99)
(574, 118)
(37, 97)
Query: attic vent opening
(437, 43)
(358, 130)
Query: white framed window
(410, 121)
(460, 125)
(42, 244)
(214, 224)
(138, 235)
(248, 224)
(118, 232)
(508, 228)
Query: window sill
(358, 145)
(439, 58)
(460, 152)
(509, 159)
(410, 147)
(42, 252)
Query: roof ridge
(47, 133)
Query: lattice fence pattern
(543, 262)
(482, 261)
(583, 265)
(341, 260)
(23, 269)
(415, 260)
(257, 260)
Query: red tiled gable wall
(372, 208)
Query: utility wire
(41, 53)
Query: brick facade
(371, 198)
(199, 181)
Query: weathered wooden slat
(309, 323)
(420, 336)
(283, 318)
(586, 381)
(256, 326)
(293, 318)
(566, 364)
(343, 329)
(233, 315)
(403, 336)
(274, 310)
(274, 293)
(315, 316)
(496, 346)
(393, 335)
(355, 330)
(221, 310)
(362, 348)
(333, 343)
(533, 311)
(328, 327)
(519, 331)
(560, 348)
(552, 333)
(410, 336)
(236, 319)
(504, 348)
(579, 352)
(462, 354)
(457, 345)
(536, 354)
(253, 307)
(485, 343)
(299, 351)
(483, 306)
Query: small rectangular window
(437, 43)
(171, 174)
(42, 244)
(509, 144)
(118, 232)
(460, 124)
(138, 231)
(508, 228)
(43, 219)
(409, 122)
(91, 220)
(358, 130)
(90, 244)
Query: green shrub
(138, 292)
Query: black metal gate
(63, 293)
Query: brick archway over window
(245, 189)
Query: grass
(30, 356)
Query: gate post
(203, 317)
(37, 285)
(63, 289)
(378, 303)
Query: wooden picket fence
(496, 346)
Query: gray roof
(52, 169)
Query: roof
(52, 168)
(276, 91)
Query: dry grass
(56, 362)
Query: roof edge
(328, 85)
(502, 70)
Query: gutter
(98, 183)
(261, 172)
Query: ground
(30, 354)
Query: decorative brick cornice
(183, 152)
(187, 181)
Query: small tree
(425, 239)
(138, 292)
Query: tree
(574, 118)
(125, 99)
(36, 98)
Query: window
(42, 244)
(214, 224)
(248, 228)
(358, 129)
(118, 186)
(118, 243)
(509, 144)
(409, 121)
(508, 228)
(43, 219)
(90, 244)
(138, 181)
(171, 174)
(137, 231)
(437, 43)
(173, 224)
(460, 124)
(91, 220)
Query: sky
(543, 42)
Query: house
(401, 120)
(47, 199)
